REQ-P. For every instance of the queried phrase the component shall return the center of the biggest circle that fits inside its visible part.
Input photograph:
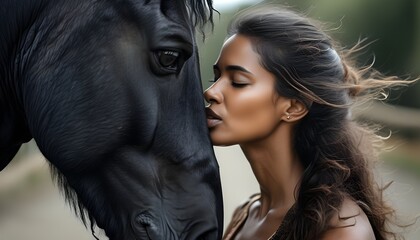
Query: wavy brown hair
(336, 152)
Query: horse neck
(16, 18)
(13, 126)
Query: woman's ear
(295, 111)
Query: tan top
(241, 214)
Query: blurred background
(31, 207)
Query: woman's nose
(213, 94)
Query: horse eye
(168, 59)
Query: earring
(288, 116)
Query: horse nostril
(146, 227)
(144, 219)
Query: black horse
(111, 93)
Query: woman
(284, 94)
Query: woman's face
(243, 101)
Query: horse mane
(72, 199)
(201, 13)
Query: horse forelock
(201, 13)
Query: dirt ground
(37, 211)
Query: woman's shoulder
(349, 223)
(239, 216)
(246, 204)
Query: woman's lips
(212, 118)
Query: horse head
(110, 91)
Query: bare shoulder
(349, 224)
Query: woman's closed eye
(238, 80)
(238, 84)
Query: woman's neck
(277, 169)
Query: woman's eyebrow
(233, 68)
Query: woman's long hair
(336, 152)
